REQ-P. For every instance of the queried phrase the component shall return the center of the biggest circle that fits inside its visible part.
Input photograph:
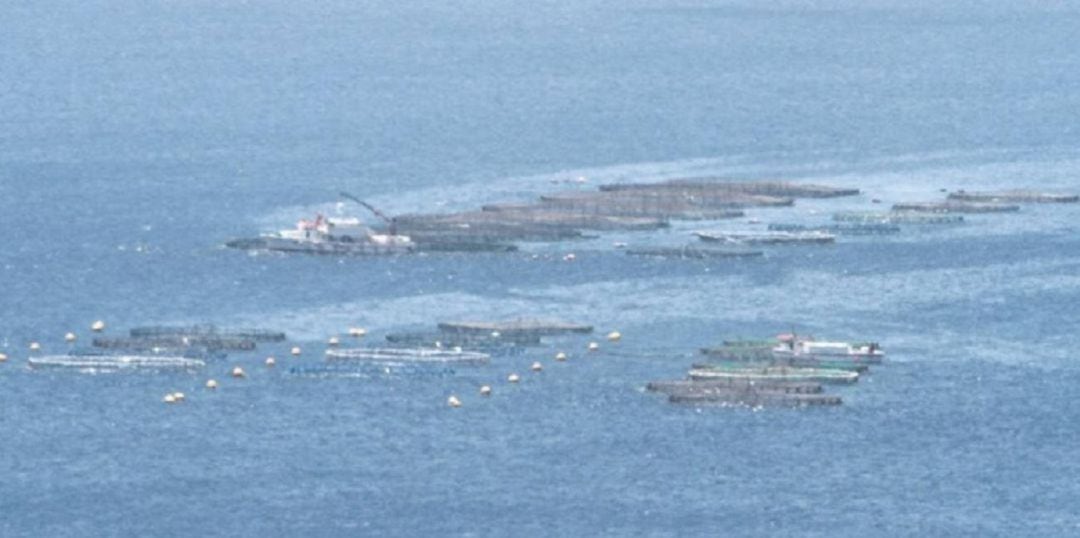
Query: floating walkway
(160, 331)
(409, 355)
(766, 238)
(515, 327)
(763, 188)
(1015, 196)
(464, 340)
(896, 217)
(775, 373)
(211, 343)
(956, 207)
(695, 253)
(853, 228)
(682, 386)
(115, 362)
(756, 399)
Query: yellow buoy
(178, 396)
(453, 401)
(560, 356)
(34, 346)
(357, 332)
(169, 398)
(295, 351)
(536, 367)
(333, 341)
(70, 337)
(513, 378)
(238, 372)
(485, 390)
(614, 336)
(211, 384)
(97, 326)
(593, 346)
(270, 362)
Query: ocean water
(137, 137)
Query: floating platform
(1014, 196)
(582, 221)
(115, 362)
(409, 355)
(763, 188)
(682, 386)
(896, 217)
(515, 327)
(794, 362)
(756, 399)
(766, 238)
(740, 353)
(956, 207)
(327, 248)
(451, 243)
(852, 228)
(187, 352)
(775, 373)
(207, 330)
(149, 344)
(695, 253)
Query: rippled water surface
(136, 138)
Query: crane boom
(388, 220)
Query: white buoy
(270, 362)
(211, 384)
(453, 401)
(3, 357)
(495, 334)
(485, 390)
(536, 367)
(178, 396)
(357, 332)
(593, 346)
(560, 356)
(513, 378)
(333, 341)
(70, 337)
(614, 336)
(295, 351)
(169, 398)
(34, 346)
(238, 372)
(569, 257)
(97, 326)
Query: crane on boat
(390, 222)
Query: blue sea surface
(136, 138)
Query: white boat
(329, 236)
(870, 353)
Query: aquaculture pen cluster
(617, 207)
(787, 371)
